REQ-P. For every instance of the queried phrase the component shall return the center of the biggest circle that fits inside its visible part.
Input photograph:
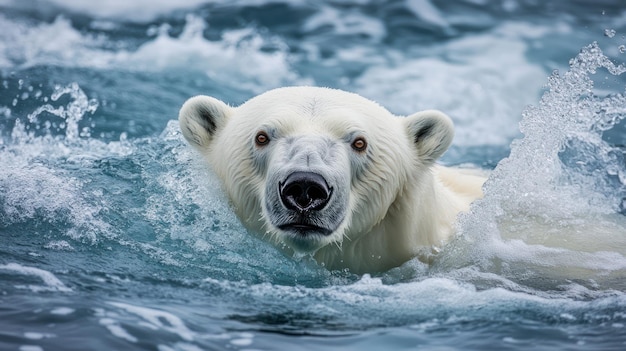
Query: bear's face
(305, 196)
(312, 166)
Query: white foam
(117, 330)
(63, 311)
(38, 336)
(160, 320)
(51, 282)
(425, 11)
(34, 190)
(59, 245)
(57, 43)
(437, 301)
(345, 23)
(241, 58)
(191, 50)
(242, 339)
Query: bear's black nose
(305, 191)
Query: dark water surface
(115, 236)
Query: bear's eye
(359, 144)
(261, 138)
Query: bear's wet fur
(364, 191)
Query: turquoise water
(115, 236)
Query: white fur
(398, 204)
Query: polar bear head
(307, 167)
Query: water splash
(534, 179)
(35, 183)
(609, 33)
(73, 113)
(555, 201)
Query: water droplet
(609, 33)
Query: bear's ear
(431, 132)
(201, 117)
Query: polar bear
(332, 174)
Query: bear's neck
(419, 221)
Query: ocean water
(115, 236)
